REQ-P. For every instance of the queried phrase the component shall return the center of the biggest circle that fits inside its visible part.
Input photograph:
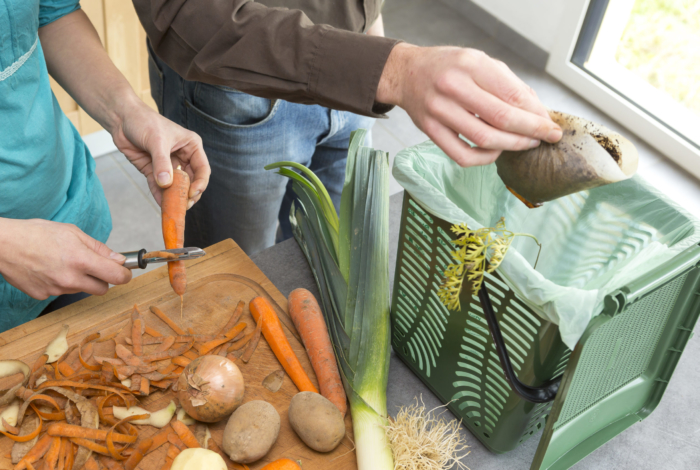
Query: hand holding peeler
(141, 258)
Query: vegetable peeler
(141, 258)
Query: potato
(197, 459)
(317, 421)
(251, 431)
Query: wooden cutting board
(216, 283)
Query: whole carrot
(173, 208)
(272, 330)
(282, 464)
(308, 320)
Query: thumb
(162, 166)
(100, 248)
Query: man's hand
(452, 91)
(154, 144)
(43, 258)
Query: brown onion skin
(225, 388)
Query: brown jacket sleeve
(273, 53)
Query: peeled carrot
(272, 330)
(184, 433)
(282, 464)
(308, 320)
(174, 206)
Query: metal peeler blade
(140, 259)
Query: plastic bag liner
(593, 242)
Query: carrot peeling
(139, 452)
(184, 433)
(253, 343)
(159, 313)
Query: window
(638, 61)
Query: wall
(537, 20)
(125, 41)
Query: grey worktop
(284, 264)
(670, 434)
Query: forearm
(77, 61)
(268, 52)
(377, 29)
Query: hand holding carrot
(156, 145)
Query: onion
(210, 388)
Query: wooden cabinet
(125, 41)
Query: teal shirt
(46, 171)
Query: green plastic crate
(615, 376)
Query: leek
(349, 259)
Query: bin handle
(542, 394)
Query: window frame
(645, 125)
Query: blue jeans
(241, 134)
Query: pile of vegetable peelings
(84, 412)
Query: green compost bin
(615, 376)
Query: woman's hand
(76, 59)
(154, 145)
(43, 258)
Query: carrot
(70, 456)
(51, 456)
(39, 363)
(91, 464)
(135, 458)
(160, 254)
(184, 433)
(137, 331)
(61, 462)
(181, 361)
(174, 207)
(169, 457)
(152, 332)
(160, 438)
(240, 344)
(159, 313)
(176, 441)
(250, 349)
(111, 464)
(82, 360)
(70, 430)
(237, 313)
(308, 320)
(282, 464)
(272, 329)
(190, 355)
(145, 388)
(166, 344)
(228, 336)
(35, 453)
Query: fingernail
(196, 193)
(163, 178)
(118, 257)
(554, 135)
(534, 143)
(190, 204)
